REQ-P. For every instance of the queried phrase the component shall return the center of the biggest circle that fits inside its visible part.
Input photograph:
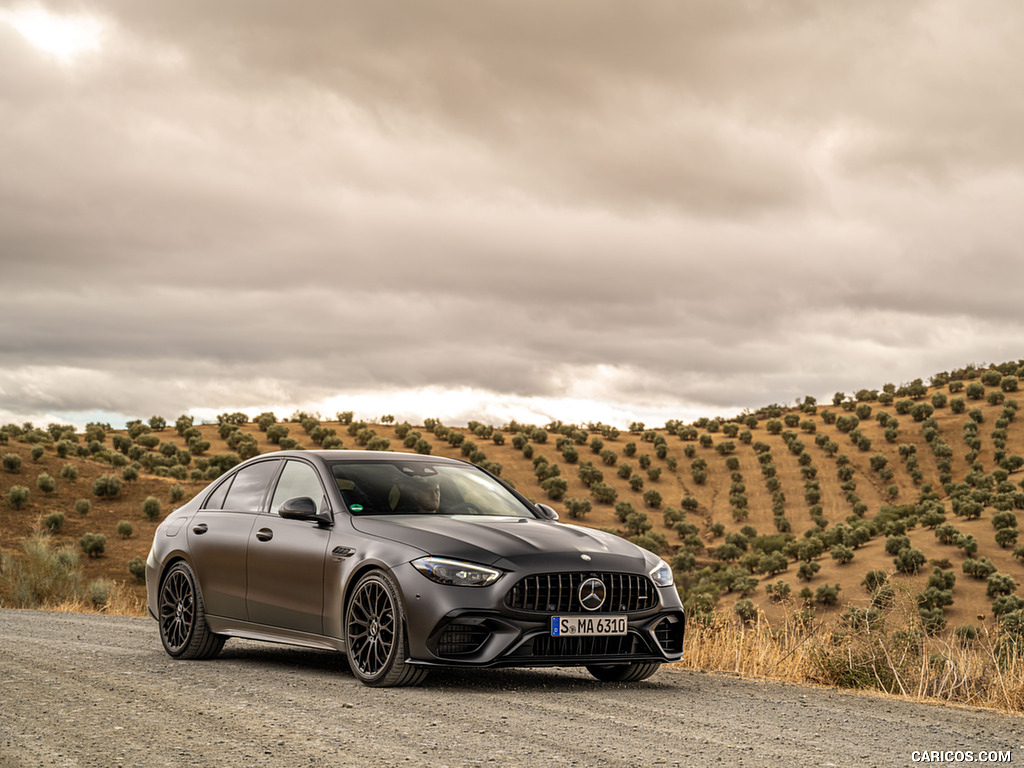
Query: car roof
(364, 456)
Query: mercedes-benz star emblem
(592, 594)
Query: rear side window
(250, 485)
(216, 499)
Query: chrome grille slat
(559, 593)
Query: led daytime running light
(456, 572)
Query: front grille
(617, 645)
(559, 593)
(461, 639)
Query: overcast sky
(587, 210)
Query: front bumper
(469, 639)
(479, 627)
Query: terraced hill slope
(716, 497)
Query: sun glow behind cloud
(64, 37)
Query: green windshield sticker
(356, 507)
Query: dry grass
(892, 656)
(121, 602)
(44, 575)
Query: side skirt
(250, 631)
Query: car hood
(506, 542)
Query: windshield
(397, 487)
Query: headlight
(662, 574)
(456, 572)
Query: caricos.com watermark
(960, 756)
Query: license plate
(583, 626)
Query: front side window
(298, 479)
(397, 487)
(250, 485)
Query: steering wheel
(464, 508)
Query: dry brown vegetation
(777, 643)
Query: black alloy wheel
(183, 628)
(375, 632)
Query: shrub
(895, 544)
(779, 591)
(106, 486)
(841, 553)
(909, 560)
(83, 506)
(637, 523)
(137, 568)
(746, 610)
(576, 508)
(1006, 537)
(99, 592)
(555, 487)
(151, 507)
(69, 472)
(652, 498)
(807, 570)
(827, 594)
(124, 529)
(11, 462)
(93, 544)
(275, 433)
(1004, 519)
(54, 522)
(980, 568)
(46, 483)
(41, 576)
(603, 493)
(1000, 584)
(17, 496)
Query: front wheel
(183, 628)
(624, 673)
(375, 634)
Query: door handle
(201, 528)
(264, 534)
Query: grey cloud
(710, 205)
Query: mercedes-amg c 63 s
(404, 562)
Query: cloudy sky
(592, 210)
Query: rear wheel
(624, 673)
(375, 633)
(183, 628)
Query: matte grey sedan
(405, 562)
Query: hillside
(900, 461)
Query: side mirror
(304, 508)
(546, 512)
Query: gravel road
(89, 690)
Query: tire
(624, 673)
(375, 634)
(183, 628)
